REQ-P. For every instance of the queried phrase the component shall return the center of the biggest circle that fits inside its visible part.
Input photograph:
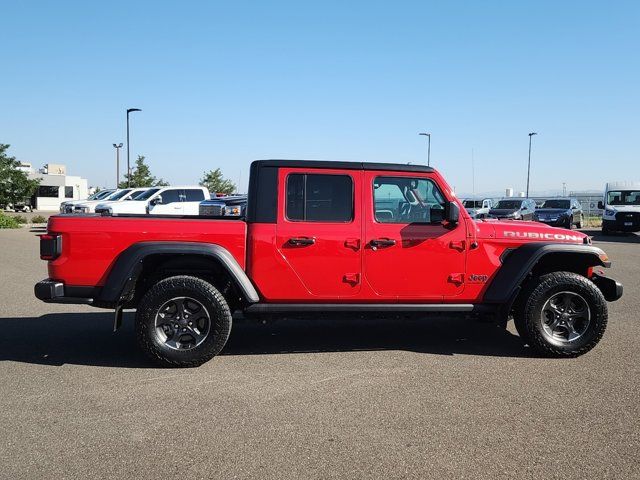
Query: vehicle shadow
(619, 237)
(87, 338)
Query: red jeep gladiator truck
(326, 237)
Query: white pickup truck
(175, 200)
(477, 208)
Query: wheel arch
(538, 259)
(145, 259)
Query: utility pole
(529, 164)
(428, 135)
(564, 189)
(129, 110)
(117, 147)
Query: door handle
(301, 241)
(381, 242)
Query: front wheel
(182, 321)
(563, 314)
(580, 222)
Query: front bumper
(611, 289)
(559, 222)
(622, 225)
(52, 291)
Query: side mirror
(157, 200)
(600, 205)
(451, 212)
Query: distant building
(55, 186)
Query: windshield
(565, 204)
(147, 194)
(472, 204)
(623, 197)
(102, 194)
(509, 204)
(93, 196)
(120, 194)
(135, 195)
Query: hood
(624, 208)
(519, 231)
(502, 211)
(128, 206)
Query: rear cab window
(318, 197)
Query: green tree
(15, 186)
(216, 183)
(141, 176)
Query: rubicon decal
(543, 236)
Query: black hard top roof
(396, 167)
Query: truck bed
(91, 243)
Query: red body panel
(90, 245)
(429, 263)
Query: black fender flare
(520, 261)
(128, 266)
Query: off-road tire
(580, 222)
(192, 287)
(528, 313)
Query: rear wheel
(562, 314)
(183, 321)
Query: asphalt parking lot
(445, 398)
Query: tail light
(50, 246)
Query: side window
(319, 198)
(193, 195)
(170, 196)
(407, 200)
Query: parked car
(513, 208)
(324, 237)
(477, 208)
(621, 205)
(67, 206)
(231, 206)
(560, 212)
(176, 200)
(118, 196)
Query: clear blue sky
(223, 83)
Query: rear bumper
(611, 289)
(52, 291)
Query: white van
(621, 207)
(180, 200)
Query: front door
(318, 234)
(410, 254)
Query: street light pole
(129, 110)
(529, 164)
(428, 135)
(117, 147)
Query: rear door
(171, 203)
(318, 232)
(409, 254)
(192, 198)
